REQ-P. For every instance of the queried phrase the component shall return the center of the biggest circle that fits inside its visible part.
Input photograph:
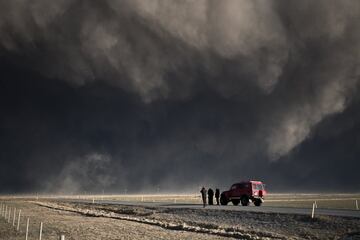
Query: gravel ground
(81, 227)
(100, 221)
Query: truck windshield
(258, 186)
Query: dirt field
(101, 221)
(330, 201)
(80, 227)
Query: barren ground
(80, 227)
(101, 221)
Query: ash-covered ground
(101, 221)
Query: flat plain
(87, 217)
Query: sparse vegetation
(107, 221)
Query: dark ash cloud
(174, 94)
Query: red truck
(244, 192)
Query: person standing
(203, 195)
(211, 196)
(217, 196)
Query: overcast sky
(172, 95)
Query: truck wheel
(245, 200)
(235, 202)
(257, 202)
(223, 200)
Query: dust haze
(171, 95)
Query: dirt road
(230, 207)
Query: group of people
(210, 195)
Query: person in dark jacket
(211, 196)
(203, 195)
(217, 195)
